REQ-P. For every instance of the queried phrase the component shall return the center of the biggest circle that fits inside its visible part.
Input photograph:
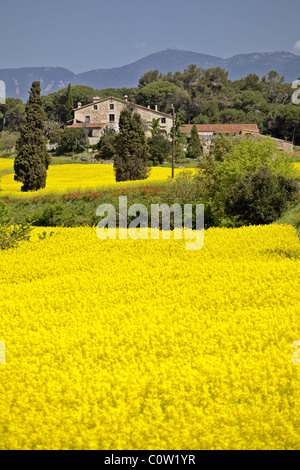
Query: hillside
(18, 81)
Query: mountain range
(18, 80)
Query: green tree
(32, 161)
(161, 92)
(107, 147)
(8, 141)
(72, 140)
(69, 104)
(272, 83)
(260, 197)
(154, 127)
(224, 169)
(222, 146)
(148, 77)
(194, 146)
(131, 160)
(251, 82)
(160, 149)
(12, 115)
(286, 123)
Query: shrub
(160, 148)
(222, 172)
(260, 197)
(72, 140)
(107, 147)
(11, 234)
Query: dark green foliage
(148, 77)
(204, 97)
(154, 127)
(8, 141)
(131, 160)
(222, 146)
(79, 209)
(160, 149)
(160, 93)
(260, 197)
(55, 136)
(194, 146)
(69, 104)
(71, 140)
(231, 160)
(11, 234)
(12, 115)
(107, 147)
(32, 160)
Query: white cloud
(296, 47)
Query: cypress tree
(194, 148)
(132, 151)
(32, 159)
(69, 104)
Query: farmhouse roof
(123, 101)
(89, 125)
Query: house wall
(101, 115)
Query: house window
(111, 118)
(87, 119)
(163, 120)
(95, 107)
(111, 106)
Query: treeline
(203, 97)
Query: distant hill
(52, 79)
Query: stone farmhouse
(105, 113)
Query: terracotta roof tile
(88, 125)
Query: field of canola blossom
(75, 177)
(78, 177)
(144, 345)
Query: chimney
(96, 98)
(156, 107)
(78, 105)
(126, 97)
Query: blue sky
(94, 34)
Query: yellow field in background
(6, 163)
(297, 165)
(144, 345)
(77, 177)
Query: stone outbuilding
(207, 132)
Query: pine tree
(32, 159)
(131, 160)
(194, 148)
(69, 104)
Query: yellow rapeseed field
(297, 165)
(123, 344)
(6, 163)
(76, 177)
